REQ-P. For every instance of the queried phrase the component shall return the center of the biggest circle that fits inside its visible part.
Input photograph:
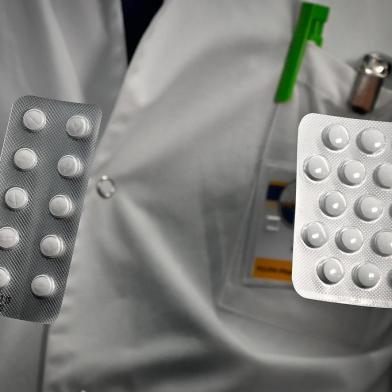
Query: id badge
(270, 241)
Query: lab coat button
(106, 187)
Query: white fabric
(182, 146)
(140, 311)
(71, 50)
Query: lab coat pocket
(258, 282)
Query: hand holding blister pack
(47, 150)
(343, 222)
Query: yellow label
(272, 269)
(279, 183)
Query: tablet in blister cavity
(343, 223)
(47, 150)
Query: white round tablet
(371, 140)
(335, 136)
(352, 172)
(382, 243)
(34, 119)
(60, 206)
(69, 166)
(25, 159)
(5, 277)
(367, 275)
(9, 237)
(369, 208)
(16, 198)
(383, 175)
(333, 203)
(317, 168)
(349, 239)
(43, 286)
(52, 246)
(331, 271)
(314, 234)
(78, 127)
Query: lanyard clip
(309, 28)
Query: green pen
(309, 28)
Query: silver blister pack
(47, 150)
(343, 223)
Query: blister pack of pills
(343, 221)
(47, 150)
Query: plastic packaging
(47, 150)
(343, 224)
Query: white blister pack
(343, 219)
(47, 150)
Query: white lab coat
(149, 304)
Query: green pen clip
(309, 28)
